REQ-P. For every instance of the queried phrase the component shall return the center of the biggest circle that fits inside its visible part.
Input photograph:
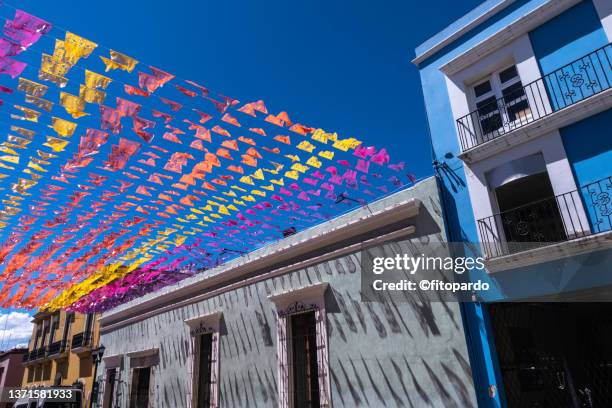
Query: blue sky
(340, 65)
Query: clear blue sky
(340, 65)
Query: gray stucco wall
(380, 353)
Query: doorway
(204, 372)
(110, 388)
(554, 354)
(529, 212)
(305, 372)
(139, 394)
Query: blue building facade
(518, 95)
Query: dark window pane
(487, 106)
(508, 74)
(488, 115)
(516, 102)
(111, 375)
(512, 92)
(304, 355)
(482, 89)
(205, 370)
(139, 394)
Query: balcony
(81, 342)
(34, 355)
(573, 216)
(56, 349)
(578, 81)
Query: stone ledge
(552, 252)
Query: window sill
(551, 252)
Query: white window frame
(460, 84)
(493, 92)
(208, 323)
(309, 298)
(153, 366)
(112, 363)
(497, 88)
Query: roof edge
(458, 28)
(378, 213)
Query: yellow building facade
(59, 352)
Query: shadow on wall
(393, 382)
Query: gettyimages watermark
(423, 264)
(444, 272)
(407, 271)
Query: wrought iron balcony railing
(598, 198)
(570, 84)
(35, 354)
(80, 340)
(568, 216)
(56, 348)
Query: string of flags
(118, 178)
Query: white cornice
(143, 353)
(549, 253)
(368, 218)
(135, 314)
(307, 292)
(509, 33)
(209, 318)
(116, 360)
(454, 36)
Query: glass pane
(487, 106)
(514, 91)
(488, 115)
(516, 102)
(482, 89)
(508, 74)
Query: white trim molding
(401, 233)
(143, 353)
(305, 299)
(461, 31)
(115, 361)
(111, 363)
(508, 34)
(518, 53)
(208, 323)
(139, 359)
(560, 250)
(604, 11)
(396, 209)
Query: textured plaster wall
(380, 354)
